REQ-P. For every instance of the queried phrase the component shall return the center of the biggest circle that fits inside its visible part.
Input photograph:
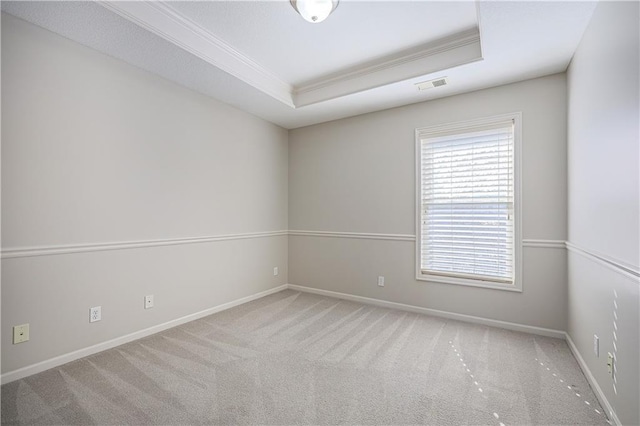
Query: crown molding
(458, 49)
(161, 19)
(164, 21)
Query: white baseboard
(81, 353)
(434, 312)
(604, 402)
(611, 414)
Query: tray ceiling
(262, 57)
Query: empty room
(320, 212)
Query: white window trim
(517, 259)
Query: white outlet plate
(596, 345)
(148, 301)
(275, 271)
(20, 333)
(381, 281)
(95, 314)
(610, 361)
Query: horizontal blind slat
(467, 191)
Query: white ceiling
(262, 57)
(298, 52)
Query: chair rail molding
(626, 269)
(49, 250)
(10, 253)
(534, 243)
(360, 235)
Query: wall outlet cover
(20, 333)
(95, 314)
(148, 301)
(610, 362)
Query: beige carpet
(296, 358)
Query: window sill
(468, 282)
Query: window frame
(462, 127)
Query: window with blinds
(467, 202)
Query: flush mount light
(314, 11)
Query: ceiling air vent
(442, 81)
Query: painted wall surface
(358, 175)
(97, 151)
(604, 197)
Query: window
(468, 203)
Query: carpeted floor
(297, 358)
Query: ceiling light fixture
(314, 11)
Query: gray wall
(604, 189)
(97, 151)
(357, 175)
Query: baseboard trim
(81, 353)
(604, 402)
(434, 312)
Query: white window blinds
(467, 202)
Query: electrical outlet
(381, 281)
(148, 301)
(20, 333)
(95, 314)
(275, 271)
(610, 361)
(596, 345)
